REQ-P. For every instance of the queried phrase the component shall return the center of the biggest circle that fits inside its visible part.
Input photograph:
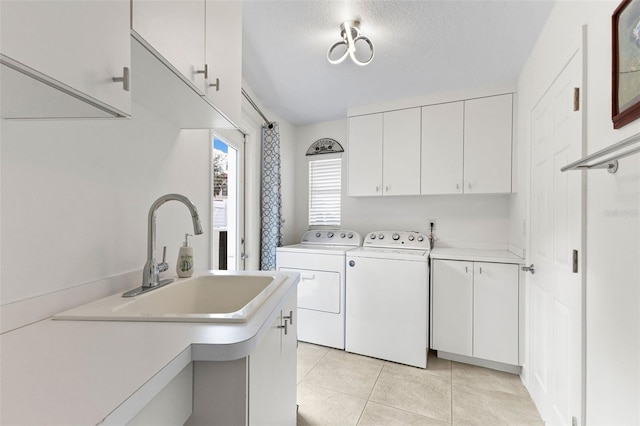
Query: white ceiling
(422, 47)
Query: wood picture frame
(625, 59)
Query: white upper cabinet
(401, 152)
(60, 58)
(175, 29)
(442, 148)
(202, 41)
(487, 144)
(384, 153)
(224, 56)
(365, 155)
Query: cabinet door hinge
(576, 99)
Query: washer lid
(316, 249)
(415, 255)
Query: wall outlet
(429, 222)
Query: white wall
(613, 218)
(470, 220)
(76, 195)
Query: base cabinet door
(495, 313)
(453, 307)
(272, 372)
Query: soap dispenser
(184, 268)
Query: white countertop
(474, 254)
(59, 372)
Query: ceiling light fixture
(350, 33)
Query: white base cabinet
(475, 309)
(257, 390)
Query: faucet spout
(152, 270)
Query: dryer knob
(318, 235)
(330, 234)
(352, 263)
(395, 236)
(350, 234)
(381, 237)
(342, 235)
(420, 238)
(410, 237)
(373, 236)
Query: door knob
(528, 269)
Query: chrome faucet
(152, 269)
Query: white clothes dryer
(388, 297)
(320, 260)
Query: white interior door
(556, 291)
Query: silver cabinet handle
(528, 269)
(125, 79)
(289, 317)
(469, 185)
(217, 85)
(457, 186)
(285, 327)
(377, 188)
(386, 188)
(205, 71)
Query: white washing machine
(388, 297)
(320, 260)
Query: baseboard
(507, 368)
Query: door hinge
(575, 261)
(576, 99)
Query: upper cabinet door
(224, 56)
(401, 152)
(365, 155)
(176, 30)
(442, 148)
(75, 46)
(487, 144)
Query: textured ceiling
(422, 47)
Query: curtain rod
(253, 104)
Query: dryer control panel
(336, 237)
(397, 239)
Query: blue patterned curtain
(271, 199)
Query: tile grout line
(371, 392)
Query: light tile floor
(340, 388)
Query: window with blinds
(325, 191)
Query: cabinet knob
(457, 186)
(377, 188)
(205, 71)
(125, 79)
(386, 188)
(469, 185)
(217, 85)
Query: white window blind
(325, 191)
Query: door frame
(578, 47)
